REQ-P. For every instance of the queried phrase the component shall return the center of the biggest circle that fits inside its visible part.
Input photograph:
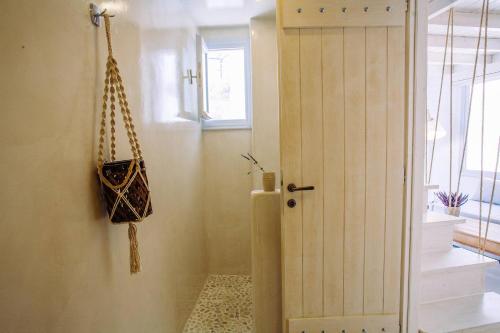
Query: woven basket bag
(124, 184)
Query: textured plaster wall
(64, 266)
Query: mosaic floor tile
(224, 306)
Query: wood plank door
(342, 92)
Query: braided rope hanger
(114, 84)
(114, 89)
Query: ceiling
(467, 16)
(475, 6)
(178, 13)
(227, 12)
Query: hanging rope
(491, 198)
(474, 73)
(482, 125)
(113, 84)
(426, 130)
(439, 99)
(451, 107)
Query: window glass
(226, 84)
(491, 127)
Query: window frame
(219, 124)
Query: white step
(454, 273)
(471, 314)
(437, 231)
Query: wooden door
(342, 93)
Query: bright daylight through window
(226, 86)
(491, 127)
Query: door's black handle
(292, 188)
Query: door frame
(416, 95)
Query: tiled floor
(224, 306)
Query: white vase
(455, 211)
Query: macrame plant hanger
(124, 184)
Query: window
(227, 85)
(491, 127)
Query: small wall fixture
(190, 76)
(95, 14)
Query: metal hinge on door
(406, 6)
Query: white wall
(226, 198)
(265, 129)
(226, 204)
(227, 186)
(65, 268)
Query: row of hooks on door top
(364, 330)
(323, 10)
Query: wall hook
(96, 13)
(299, 10)
(365, 9)
(322, 10)
(344, 10)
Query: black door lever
(292, 188)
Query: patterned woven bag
(124, 184)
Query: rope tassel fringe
(135, 258)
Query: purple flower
(452, 199)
